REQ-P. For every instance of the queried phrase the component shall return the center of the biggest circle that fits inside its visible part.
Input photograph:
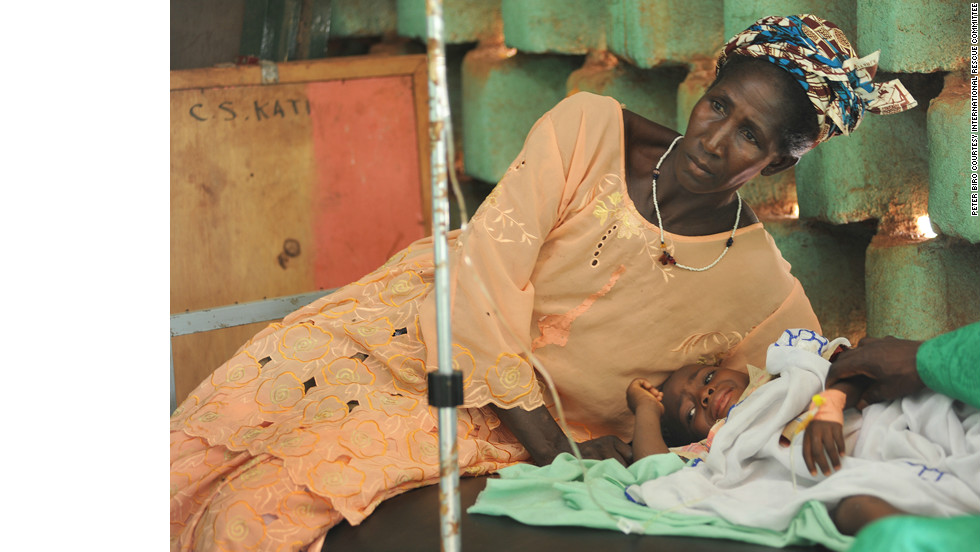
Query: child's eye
(690, 414)
(710, 376)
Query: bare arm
(645, 401)
(647, 439)
(823, 442)
(544, 440)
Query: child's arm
(645, 401)
(825, 438)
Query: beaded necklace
(667, 258)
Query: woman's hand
(544, 439)
(821, 440)
(643, 394)
(607, 446)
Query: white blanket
(921, 454)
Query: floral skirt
(319, 418)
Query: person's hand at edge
(888, 362)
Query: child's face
(696, 396)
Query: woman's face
(696, 396)
(734, 133)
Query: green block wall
(651, 93)
(648, 33)
(917, 290)
(879, 171)
(547, 26)
(948, 125)
(463, 20)
(739, 14)
(855, 245)
(496, 118)
(823, 256)
(920, 36)
(351, 18)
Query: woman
(611, 244)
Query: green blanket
(557, 495)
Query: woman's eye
(749, 136)
(716, 105)
(710, 376)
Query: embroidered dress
(324, 415)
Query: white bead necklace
(667, 258)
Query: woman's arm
(544, 440)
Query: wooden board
(306, 181)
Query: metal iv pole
(446, 384)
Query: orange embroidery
(302, 508)
(305, 342)
(709, 342)
(408, 374)
(340, 308)
(237, 372)
(423, 447)
(336, 479)
(298, 442)
(239, 527)
(327, 410)
(396, 475)
(510, 378)
(279, 394)
(347, 371)
(404, 288)
(247, 434)
(263, 475)
(555, 328)
(363, 438)
(376, 333)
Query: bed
(410, 522)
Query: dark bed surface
(410, 522)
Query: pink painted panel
(367, 201)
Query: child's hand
(823, 439)
(640, 392)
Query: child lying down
(919, 455)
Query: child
(694, 402)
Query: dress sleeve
(493, 261)
(950, 364)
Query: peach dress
(324, 415)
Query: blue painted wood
(240, 314)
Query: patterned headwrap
(819, 56)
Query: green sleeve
(950, 364)
(918, 534)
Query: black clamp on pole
(446, 389)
